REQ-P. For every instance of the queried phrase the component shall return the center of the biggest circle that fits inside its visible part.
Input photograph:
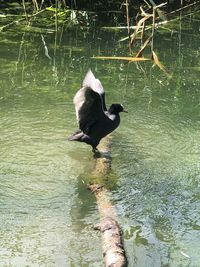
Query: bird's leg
(95, 150)
(97, 154)
(77, 132)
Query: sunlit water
(47, 213)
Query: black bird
(94, 120)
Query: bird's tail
(77, 136)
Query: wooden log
(112, 241)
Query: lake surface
(46, 212)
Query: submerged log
(112, 241)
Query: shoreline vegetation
(139, 21)
(116, 15)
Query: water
(47, 213)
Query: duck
(95, 121)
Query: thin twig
(20, 50)
(35, 3)
(144, 45)
(45, 48)
(142, 32)
(128, 24)
(42, 2)
(127, 17)
(139, 25)
(182, 8)
(153, 27)
(56, 16)
(24, 7)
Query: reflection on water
(47, 213)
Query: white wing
(92, 82)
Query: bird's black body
(95, 121)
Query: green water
(46, 212)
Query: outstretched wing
(88, 106)
(93, 83)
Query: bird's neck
(111, 111)
(113, 115)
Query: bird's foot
(96, 152)
(101, 154)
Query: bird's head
(116, 109)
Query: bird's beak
(125, 110)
